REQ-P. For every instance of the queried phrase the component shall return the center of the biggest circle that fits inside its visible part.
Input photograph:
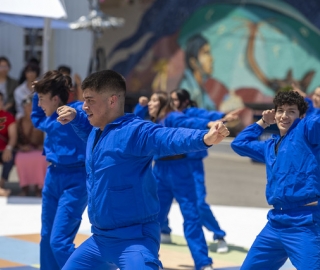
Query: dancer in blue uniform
(183, 103)
(293, 185)
(123, 204)
(64, 195)
(175, 179)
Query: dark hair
(32, 67)
(290, 98)
(56, 83)
(105, 81)
(194, 44)
(3, 58)
(183, 95)
(165, 105)
(64, 69)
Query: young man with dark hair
(64, 195)
(293, 184)
(123, 205)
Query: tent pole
(45, 44)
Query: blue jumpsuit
(123, 204)
(207, 218)
(175, 180)
(293, 180)
(64, 195)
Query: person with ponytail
(174, 177)
(183, 103)
(64, 194)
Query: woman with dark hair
(183, 103)
(64, 195)
(24, 90)
(174, 178)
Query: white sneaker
(222, 246)
(207, 267)
(165, 238)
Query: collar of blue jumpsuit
(294, 124)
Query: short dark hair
(32, 67)
(64, 69)
(105, 81)
(5, 59)
(56, 83)
(194, 44)
(183, 95)
(290, 98)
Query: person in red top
(8, 140)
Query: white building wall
(12, 47)
(72, 47)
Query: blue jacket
(205, 114)
(293, 175)
(121, 187)
(141, 111)
(178, 119)
(202, 113)
(62, 145)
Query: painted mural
(228, 56)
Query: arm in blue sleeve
(312, 128)
(38, 117)
(205, 114)
(81, 125)
(141, 111)
(177, 119)
(311, 109)
(247, 144)
(155, 139)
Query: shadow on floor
(213, 247)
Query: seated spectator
(8, 140)
(30, 163)
(24, 90)
(33, 61)
(76, 91)
(7, 85)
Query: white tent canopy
(48, 9)
(39, 8)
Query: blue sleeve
(311, 109)
(38, 117)
(177, 119)
(81, 124)
(156, 140)
(141, 111)
(247, 144)
(312, 128)
(205, 114)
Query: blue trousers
(293, 234)
(207, 218)
(134, 247)
(64, 198)
(174, 178)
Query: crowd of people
(21, 144)
(128, 167)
